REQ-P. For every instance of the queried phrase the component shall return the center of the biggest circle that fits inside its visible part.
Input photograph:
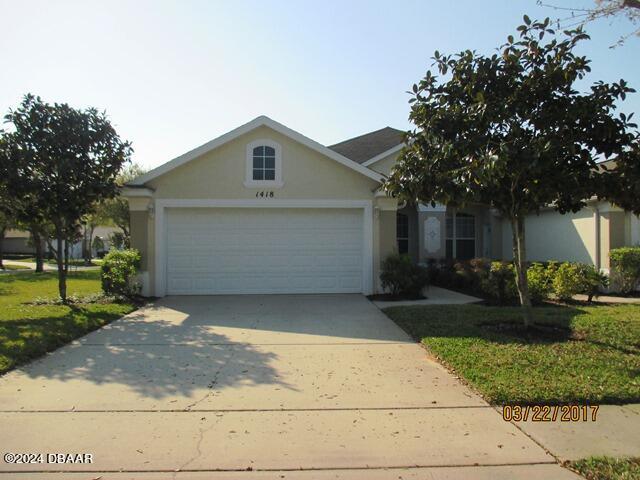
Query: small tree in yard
(39, 232)
(22, 214)
(510, 131)
(60, 161)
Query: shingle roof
(362, 148)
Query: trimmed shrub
(441, 272)
(568, 281)
(481, 268)
(433, 270)
(625, 268)
(118, 273)
(500, 283)
(552, 268)
(592, 281)
(464, 276)
(403, 278)
(496, 280)
(540, 280)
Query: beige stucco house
(264, 209)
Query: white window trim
(249, 182)
(161, 229)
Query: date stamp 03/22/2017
(550, 413)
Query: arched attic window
(264, 164)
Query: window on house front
(264, 163)
(461, 236)
(402, 233)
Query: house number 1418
(264, 194)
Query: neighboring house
(264, 209)
(18, 242)
(101, 231)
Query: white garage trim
(161, 230)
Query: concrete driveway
(296, 387)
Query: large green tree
(512, 131)
(60, 161)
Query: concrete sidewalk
(607, 299)
(434, 296)
(31, 266)
(615, 433)
(46, 266)
(498, 472)
(258, 387)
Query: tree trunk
(126, 240)
(520, 262)
(37, 243)
(85, 246)
(2, 233)
(88, 256)
(66, 256)
(62, 274)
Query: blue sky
(173, 75)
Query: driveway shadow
(149, 364)
(191, 346)
(265, 319)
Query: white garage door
(268, 250)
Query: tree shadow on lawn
(24, 339)
(155, 359)
(565, 359)
(553, 323)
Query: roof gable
(253, 124)
(370, 145)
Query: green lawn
(28, 331)
(605, 468)
(578, 354)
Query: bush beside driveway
(29, 330)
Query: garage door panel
(237, 250)
(349, 283)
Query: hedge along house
(440, 232)
(264, 209)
